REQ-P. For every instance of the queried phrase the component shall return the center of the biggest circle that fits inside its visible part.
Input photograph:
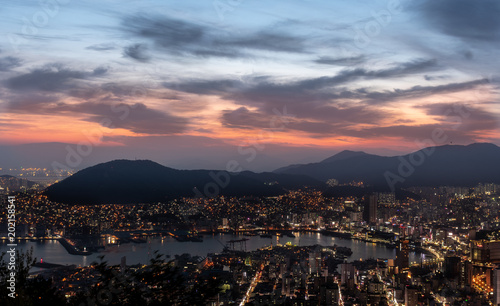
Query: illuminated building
(348, 273)
(485, 251)
(496, 286)
(402, 255)
(411, 296)
(314, 262)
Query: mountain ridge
(346, 154)
(459, 165)
(144, 181)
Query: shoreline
(73, 250)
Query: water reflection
(54, 252)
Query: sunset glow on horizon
(377, 76)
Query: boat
(266, 236)
(196, 239)
(181, 238)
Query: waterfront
(52, 251)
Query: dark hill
(143, 181)
(14, 184)
(346, 154)
(452, 165)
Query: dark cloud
(435, 77)
(103, 103)
(321, 107)
(266, 41)
(9, 62)
(415, 132)
(137, 52)
(459, 123)
(102, 47)
(52, 77)
(58, 79)
(467, 19)
(181, 37)
(403, 69)
(165, 31)
(415, 91)
(340, 61)
(137, 118)
(208, 87)
(28, 102)
(463, 116)
(265, 91)
(264, 85)
(112, 91)
(319, 104)
(244, 118)
(327, 120)
(100, 71)
(317, 129)
(218, 52)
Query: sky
(195, 84)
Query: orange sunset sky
(189, 83)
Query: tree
(159, 283)
(28, 292)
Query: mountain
(346, 154)
(453, 165)
(144, 181)
(13, 184)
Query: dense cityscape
(454, 232)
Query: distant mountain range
(143, 181)
(452, 165)
(13, 184)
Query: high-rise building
(386, 198)
(402, 255)
(484, 251)
(314, 262)
(452, 267)
(411, 296)
(496, 286)
(348, 272)
(370, 212)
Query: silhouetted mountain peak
(128, 163)
(346, 154)
(454, 165)
(483, 145)
(145, 181)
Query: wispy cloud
(340, 61)
(9, 62)
(182, 37)
(137, 52)
(51, 77)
